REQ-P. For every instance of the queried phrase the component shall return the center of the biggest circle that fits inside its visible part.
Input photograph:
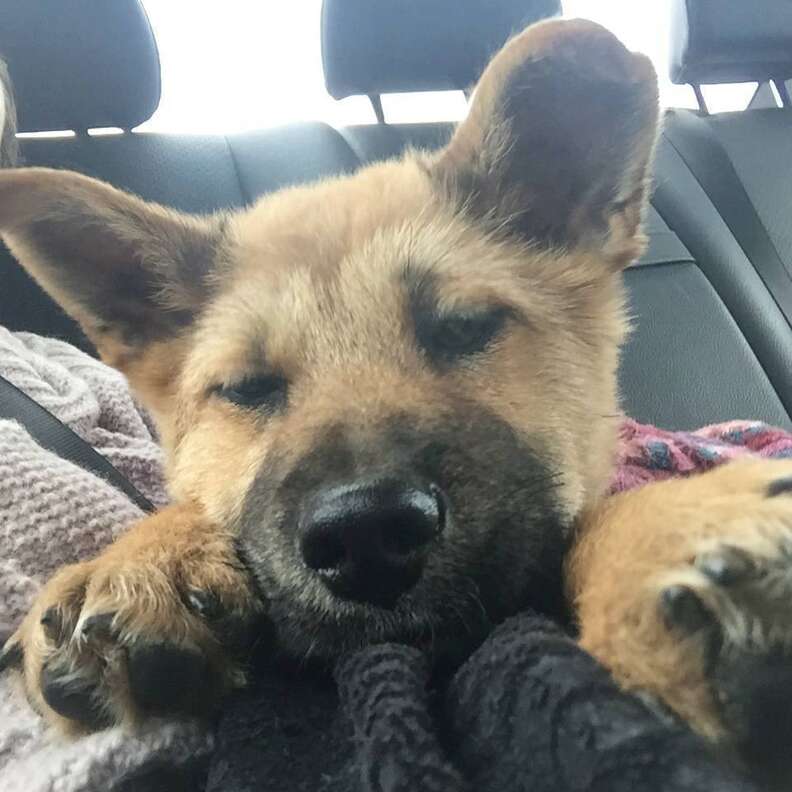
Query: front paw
(683, 590)
(734, 599)
(726, 620)
(155, 626)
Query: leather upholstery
(382, 46)
(759, 145)
(77, 64)
(695, 139)
(692, 312)
(741, 161)
(190, 172)
(372, 143)
(697, 303)
(688, 363)
(710, 341)
(688, 210)
(727, 41)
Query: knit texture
(53, 513)
(646, 453)
(529, 710)
(288, 735)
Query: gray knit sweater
(53, 513)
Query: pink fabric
(647, 454)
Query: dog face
(398, 388)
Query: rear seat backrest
(102, 70)
(742, 160)
(371, 47)
(688, 362)
(673, 371)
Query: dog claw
(204, 603)
(99, 626)
(52, 624)
(11, 656)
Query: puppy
(388, 402)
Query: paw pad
(11, 656)
(683, 609)
(73, 697)
(780, 486)
(166, 679)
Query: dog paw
(156, 626)
(734, 598)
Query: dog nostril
(403, 540)
(323, 550)
(417, 522)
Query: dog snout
(369, 540)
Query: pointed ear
(131, 272)
(558, 141)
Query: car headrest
(77, 64)
(387, 46)
(724, 41)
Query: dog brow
(421, 287)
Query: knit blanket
(53, 513)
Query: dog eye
(267, 391)
(447, 338)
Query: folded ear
(558, 141)
(131, 272)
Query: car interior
(711, 298)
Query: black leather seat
(742, 163)
(190, 172)
(120, 88)
(710, 343)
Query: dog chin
(322, 636)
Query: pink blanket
(648, 454)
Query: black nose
(369, 540)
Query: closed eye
(267, 391)
(447, 338)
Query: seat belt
(703, 153)
(55, 436)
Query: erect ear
(558, 141)
(131, 272)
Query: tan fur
(636, 544)
(569, 334)
(309, 283)
(136, 580)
